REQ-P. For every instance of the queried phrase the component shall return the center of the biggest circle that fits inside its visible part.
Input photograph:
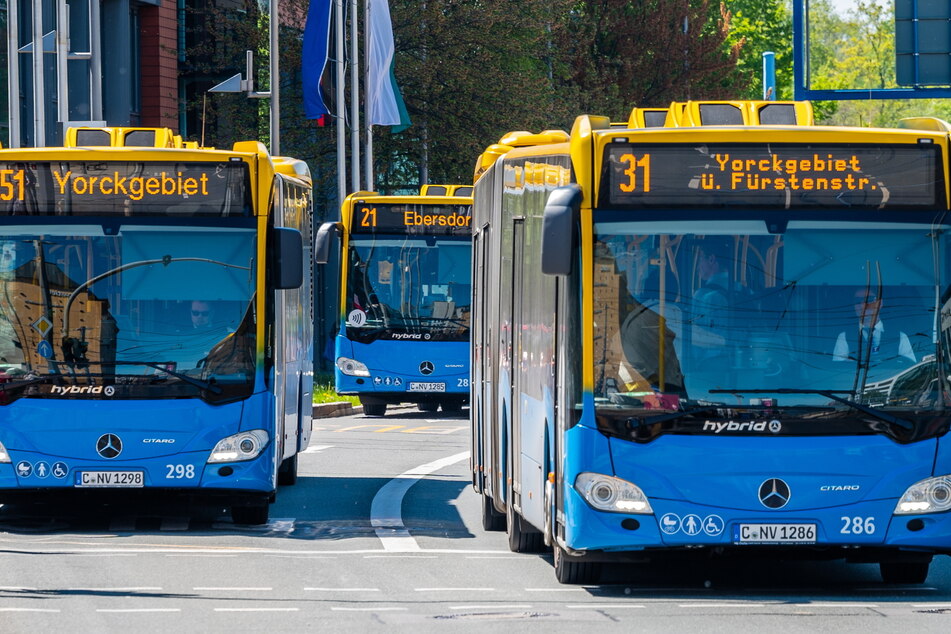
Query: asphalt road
(383, 532)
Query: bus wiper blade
(205, 385)
(14, 385)
(830, 394)
(645, 421)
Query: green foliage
(762, 26)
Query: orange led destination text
(817, 173)
(132, 187)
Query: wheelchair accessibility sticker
(692, 525)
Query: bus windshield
(401, 287)
(139, 311)
(728, 314)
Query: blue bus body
(156, 322)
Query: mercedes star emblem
(426, 367)
(774, 493)
(109, 446)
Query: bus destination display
(772, 175)
(372, 217)
(136, 188)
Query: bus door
(477, 378)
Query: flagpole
(354, 101)
(368, 153)
(341, 109)
(275, 80)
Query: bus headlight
(607, 493)
(352, 367)
(928, 496)
(244, 446)
(4, 454)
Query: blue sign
(44, 349)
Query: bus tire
(571, 570)
(492, 520)
(287, 472)
(427, 407)
(904, 572)
(374, 409)
(523, 538)
(253, 514)
(451, 407)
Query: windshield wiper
(205, 385)
(13, 385)
(830, 394)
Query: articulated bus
(404, 296)
(728, 334)
(156, 320)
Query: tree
(762, 26)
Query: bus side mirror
(560, 230)
(289, 254)
(327, 232)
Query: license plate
(774, 534)
(110, 479)
(427, 387)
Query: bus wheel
(522, 537)
(254, 514)
(451, 407)
(287, 472)
(571, 570)
(427, 407)
(374, 409)
(904, 572)
(492, 520)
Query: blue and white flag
(314, 57)
(383, 95)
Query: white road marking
(386, 510)
(833, 605)
(605, 606)
(377, 609)
(454, 589)
(129, 589)
(257, 609)
(722, 605)
(342, 589)
(521, 606)
(316, 448)
(125, 610)
(555, 590)
(230, 589)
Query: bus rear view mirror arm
(322, 243)
(560, 230)
(289, 250)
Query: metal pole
(62, 49)
(13, 72)
(354, 101)
(769, 76)
(39, 100)
(340, 110)
(275, 80)
(368, 152)
(95, 62)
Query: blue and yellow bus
(728, 334)
(405, 298)
(156, 319)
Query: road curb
(340, 408)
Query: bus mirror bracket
(289, 250)
(325, 234)
(560, 229)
